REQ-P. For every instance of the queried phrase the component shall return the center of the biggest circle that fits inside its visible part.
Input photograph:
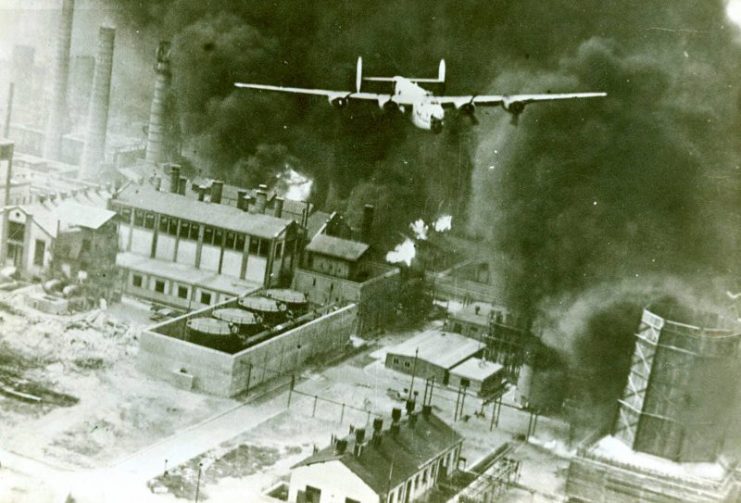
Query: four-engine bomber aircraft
(427, 110)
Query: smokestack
(182, 185)
(9, 110)
(157, 110)
(97, 122)
(278, 207)
(367, 225)
(6, 160)
(395, 414)
(217, 189)
(261, 200)
(57, 114)
(340, 446)
(174, 178)
(242, 200)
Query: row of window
(189, 230)
(137, 280)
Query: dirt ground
(95, 404)
(367, 389)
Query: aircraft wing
(506, 100)
(331, 95)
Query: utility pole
(414, 371)
(198, 481)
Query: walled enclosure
(163, 355)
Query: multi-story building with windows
(193, 253)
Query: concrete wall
(218, 373)
(377, 297)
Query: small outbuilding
(479, 376)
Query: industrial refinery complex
(171, 331)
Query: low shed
(432, 354)
(481, 376)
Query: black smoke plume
(582, 195)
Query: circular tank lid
(235, 315)
(286, 295)
(209, 326)
(261, 304)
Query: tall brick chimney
(60, 76)
(157, 110)
(93, 154)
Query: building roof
(337, 247)
(443, 349)
(397, 457)
(231, 218)
(186, 274)
(78, 215)
(82, 209)
(316, 222)
(476, 369)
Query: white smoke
(403, 253)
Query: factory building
(233, 346)
(192, 253)
(336, 269)
(400, 464)
(672, 419)
(36, 232)
(480, 376)
(432, 355)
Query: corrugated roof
(443, 349)
(75, 214)
(476, 369)
(218, 215)
(337, 247)
(397, 457)
(84, 209)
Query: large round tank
(269, 310)
(246, 322)
(212, 333)
(682, 378)
(294, 300)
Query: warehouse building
(192, 253)
(432, 354)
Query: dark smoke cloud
(640, 185)
(643, 185)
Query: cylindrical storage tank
(682, 379)
(245, 322)
(271, 311)
(212, 333)
(295, 301)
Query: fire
(420, 229)
(443, 223)
(404, 252)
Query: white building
(398, 465)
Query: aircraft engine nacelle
(467, 109)
(389, 106)
(515, 108)
(338, 102)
